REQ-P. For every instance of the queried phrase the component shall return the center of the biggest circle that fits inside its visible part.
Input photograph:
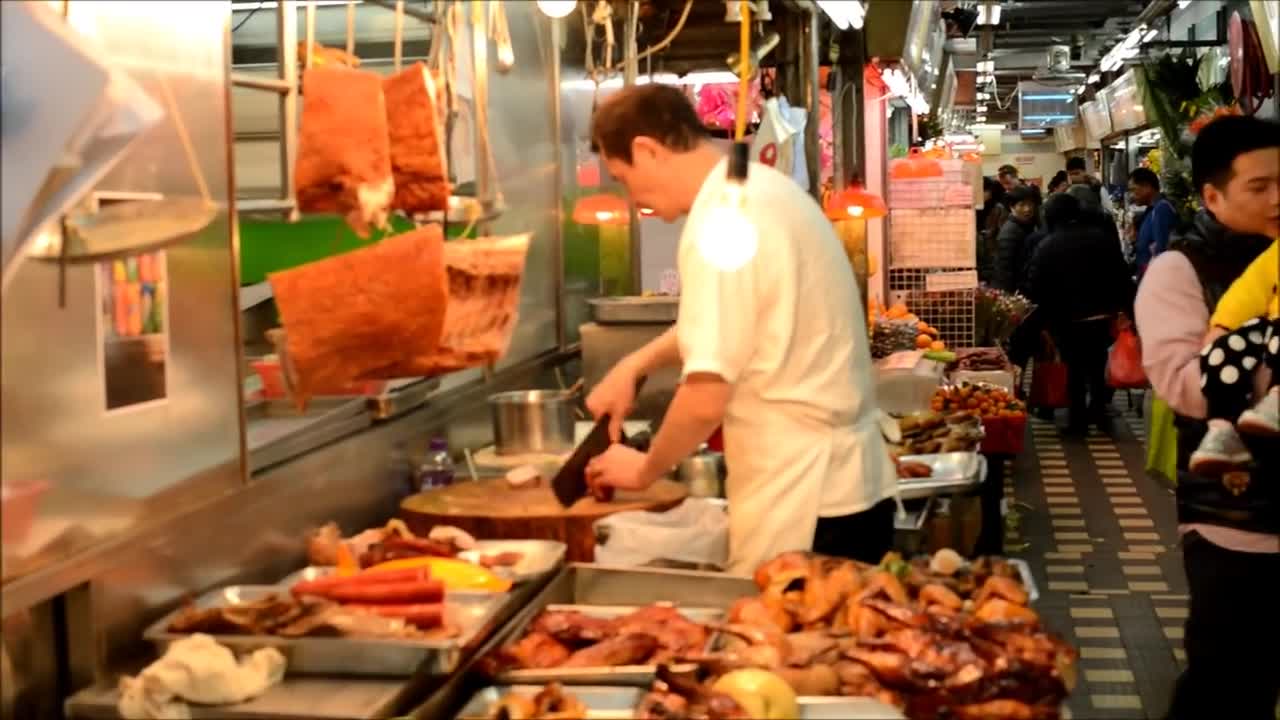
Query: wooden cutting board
(490, 509)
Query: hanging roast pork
(417, 155)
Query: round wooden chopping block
(490, 509)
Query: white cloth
(197, 669)
(802, 439)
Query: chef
(774, 350)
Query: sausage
(422, 615)
(320, 586)
(421, 591)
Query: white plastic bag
(695, 531)
(774, 143)
(796, 120)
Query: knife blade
(570, 482)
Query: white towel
(197, 669)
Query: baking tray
(952, 473)
(641, 675)
(538, 557)
(635, 310)
(619, 703)
(472, 614)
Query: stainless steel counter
(321, 698)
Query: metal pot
(533, 421)
(704, 472)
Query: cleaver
(570, 483)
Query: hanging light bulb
(557, 8)
(601, 209)
(727, 238)
(855, 202)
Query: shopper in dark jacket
(1080, 282)
(991, 217)
(1011, 256)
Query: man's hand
(619, 467)
(615, 396)
(1214, 333)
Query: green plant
(897, 150)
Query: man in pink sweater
(1229, 523)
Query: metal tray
(473, 615)
(1028, 580)
(641, 675)
(952, 473)
(538, 557)
(635, 310)
(619, 703)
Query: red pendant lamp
(855, 203)
(601, 209)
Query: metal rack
(285, 84)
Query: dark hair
(1023, 193)
(1007, 170)
(1061, 210)
(1076, 163)
(660, 112)
(1144, 176)
(1222, 141)
(1059, 178)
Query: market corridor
(1101, 538)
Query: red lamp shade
(601, 209)
(854, 202)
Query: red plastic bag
(1049, 385)
(1124, 362)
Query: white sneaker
(1263, 418)
(1221, 450)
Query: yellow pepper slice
(456, 574)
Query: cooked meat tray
(472, 615)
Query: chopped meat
(353, 314)
(536, 650)
(344, 154)
(573, 628)
(259, 617)
(502, 559)
(417, 150)
(626, 649)
(675, 634)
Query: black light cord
(247, 17)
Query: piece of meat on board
(484, 297)
(344, 154)
(347, 316)
(417, 150)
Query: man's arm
(1172, 319)
(1163, 217)
(695, 412)
(660, 352)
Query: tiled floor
(1101, 538)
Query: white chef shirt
(802, 439)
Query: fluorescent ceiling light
(844, 13)
(986, 66)
(713, 77)
(1094, 77)
(1034, 131)
(982, 107)
(989, 13)
(1046, 96)
(1183, 3)
(1151, 35)
(984, 96)
(987, 126)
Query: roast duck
(936, 638)
(567, 639)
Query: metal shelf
(285, 84)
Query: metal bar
(398, 37)
(254, 82)
(287, 59)
(837, 129)
(310, 32)
(557, 149)
(480, 92)
(265, 205)
(351, 27)
(812, 103)
(233, 228)
(416, 14)
(630, 68)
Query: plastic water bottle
(436, 470)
